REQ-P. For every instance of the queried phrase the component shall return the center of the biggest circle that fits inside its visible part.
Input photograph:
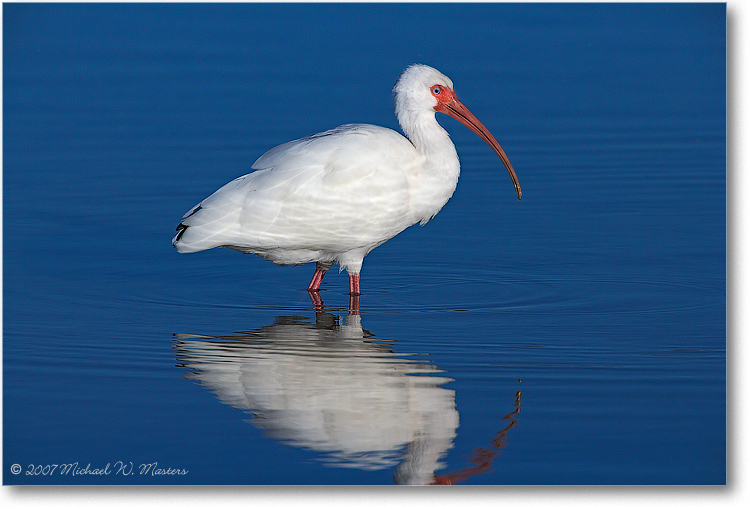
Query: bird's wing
(346, 185)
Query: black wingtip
(181, 229)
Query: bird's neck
(435, 183)
(432, 141)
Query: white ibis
(334, 196)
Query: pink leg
(354, 284)
(316, 279)
(353, 304)
(317, 300)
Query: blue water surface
(577, 336)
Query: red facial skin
(449, 104)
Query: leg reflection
(319, 306)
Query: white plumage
(334, 196)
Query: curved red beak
(457, 110)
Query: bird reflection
(331, 387)
(483, 457)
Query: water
(577, 336)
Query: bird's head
(421, 89)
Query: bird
(332, 197)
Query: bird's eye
(436, 90)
